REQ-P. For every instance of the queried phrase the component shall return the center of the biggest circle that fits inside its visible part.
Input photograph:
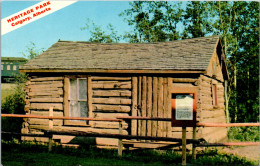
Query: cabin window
(14, 67)
(78, 97)
(214, 95)
(76, 100)
(2, 67)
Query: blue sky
(63, 24)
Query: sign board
(184, 107)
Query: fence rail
(195, 142)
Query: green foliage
(244, 134)
(197, 19)
(101, 36)
(36, 154)
(32, 51)
(14, 104)
(153, 21)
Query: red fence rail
(120, 136)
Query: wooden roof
(182, 55)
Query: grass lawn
(6, 90)
(31, 155)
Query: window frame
(67, 99)
(215, 95)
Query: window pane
(74, 111)
(83, 89)
(14, 67)
(83, 109)
(73, 89)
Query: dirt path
(250, 152)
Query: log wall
(208, 112)
(110, 97)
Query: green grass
(29, 154)
(6, 90)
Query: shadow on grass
(23, 153)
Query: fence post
(120, 144)
(183, 146)
(50, 128)
(193, 145)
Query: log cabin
(83, 79)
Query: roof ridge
(88, 42)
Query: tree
(101, 36)
(197, 20)
(32, 51)
(153, 21)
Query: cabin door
(153, 100)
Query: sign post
(184, 112)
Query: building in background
(10, 68)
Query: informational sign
(184, 107)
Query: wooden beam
(111, 108)
(112, 101)
(97, 78)
(160, 106)
(112, 93)
(134, 106)
(111, 71)
(90, 99)
(149, 105)
(155, 110)
(143, 107)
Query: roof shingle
(189, 54)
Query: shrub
(244, 133)
(14, 104)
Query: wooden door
(153, 99)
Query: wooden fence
(194, 141)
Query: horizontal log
(44, 122)
(108, 115)
(212, 130)
(212, 114)
(111, 101)
(122, 136)
(46, 106)
(51, 85)
(111, 85)
(111, 108)
(46, 100)
(47, 79)
(189, 80)
(124, 93)
(46, 93)
(216, 136)
(46, 82)
(83, 129)
(51, 90)
(45, 113)
(108, 125)
(95, 78)
(179, 129)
